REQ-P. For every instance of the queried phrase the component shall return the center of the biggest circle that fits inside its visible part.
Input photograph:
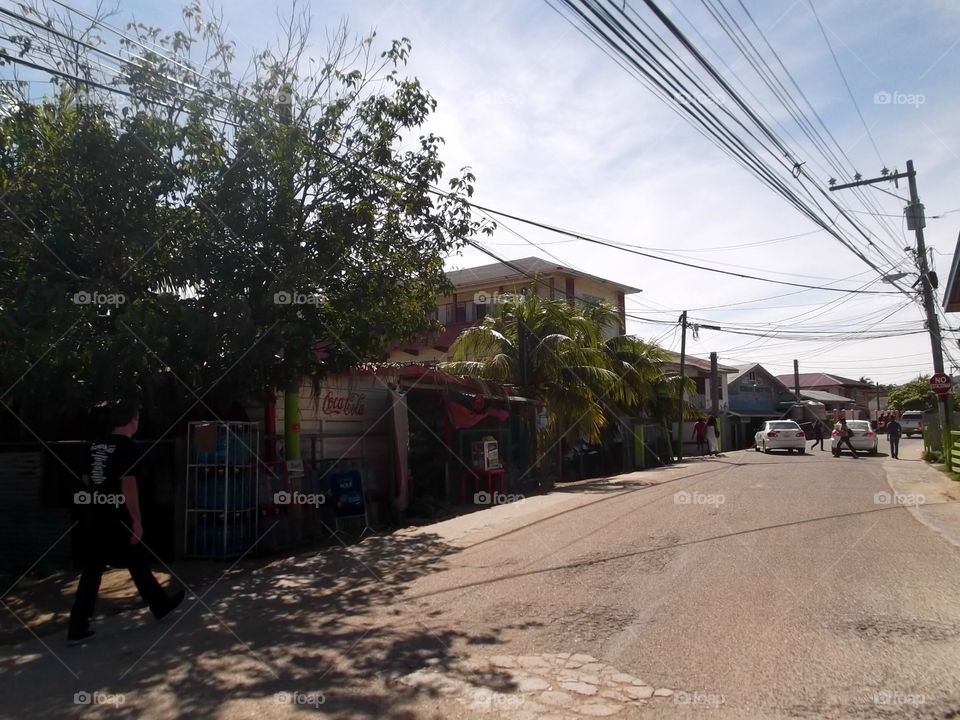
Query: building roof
(498, 272)
(816, 380)
(690, 361)
(822, 396)
(743, 370)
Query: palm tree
(655, 392)
(570, 369)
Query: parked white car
(911, 422)
(780, 435)
(863, 438)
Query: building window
(752, 376)
(461, 314)
(480, 311)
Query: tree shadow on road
(328, 631)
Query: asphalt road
(748, 586)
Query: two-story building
(478, 289)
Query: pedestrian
(713, 434)
(700, 434)
(110, 526)
(817, 434)
(893, 434)
(844, 434)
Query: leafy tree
(914, 395)
(917, 395)
(260, 229)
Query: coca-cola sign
(349, 405)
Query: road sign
(940, 383)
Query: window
(479, 311)
(461, 315)
(752, 376)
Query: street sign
(940, 383)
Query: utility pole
(796, 379)
(878, 400)
(916, 222)
(683, 380)
(714, 386)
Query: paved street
(748, 586)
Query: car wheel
(756, 448)
(803, 451)
(766, 450)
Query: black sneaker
(80, 637)
(172, 604)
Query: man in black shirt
(110, 525)
(893, 434)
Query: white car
(863, 438)
(911, 423)
(780, 435)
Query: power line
(696, 113)
(633, 251)
(845, 83)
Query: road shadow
(331, 625)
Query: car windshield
(858, 425)
(784, 426)
(912, 415)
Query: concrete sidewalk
(931, 496)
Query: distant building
(698, 370)
(478, 289)
(861, 393)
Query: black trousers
(99, 554)
(849, 445)
(895, 446)
(815, 441)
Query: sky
(557, 132)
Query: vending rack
(221, 489)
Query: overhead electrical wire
(633, 251)
(792, 108)
(803, 121)
(615, 37)
(846, 84)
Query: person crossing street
(817, 434)
(844, 433)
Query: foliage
(916, 395)
(572, 370)
(259, 230)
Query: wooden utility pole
(916, 222)
(796, 379)
(683, 380)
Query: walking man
(817, 434)
(700, 434)
(844, 437)
(110, 525)
(893, 434)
